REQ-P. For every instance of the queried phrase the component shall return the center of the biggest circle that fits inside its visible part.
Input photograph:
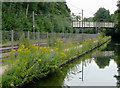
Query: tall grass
(36, 62)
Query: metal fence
(15, 37)
(10, 40)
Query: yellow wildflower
(13, 50)
(61, 42)
(18, 68)
(39, 60)
(74, 42)
(99, 37)
(19, 50)
(48, 50)
(72, 45)
(68, 50)
(55, 43)
(36, 53)
(45, 50)
(11, 84)
(17, 60)
(11, 53)
(78, 43)
(57, 40)
(60, 67)
(34, 47)
(45, 47)
(28, 50)
(55, 66)
(32, 67)
(23, 46)
(63, 54)
(25, 63)
(63, 50)
(56, 49)
(40, 47)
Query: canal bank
(88, 48)
(100, 68)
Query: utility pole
(82, 70)
(82, 21)
(82, 27)
(96, 27)
(33, 26)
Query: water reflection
(102, 62)
(98, 68)
(116, 57)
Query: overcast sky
(91, 6)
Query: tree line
(49, 16)
(103, 15)
(117, 21)
(52, 17)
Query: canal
(98, 68)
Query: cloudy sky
(91, 6)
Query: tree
(51, 16)
(113, 17)
(78, 18)
(102, 15)
(88, 19)
(117, 20)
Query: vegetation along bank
(33, 62)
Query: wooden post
(89, 23)
(28, 37)
(33, 26)
(47, 35)
(47, 39)
(12, 39)
(38, 40)
(0, 37)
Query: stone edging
(80, 55)
(70, 60)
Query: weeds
(34, 62)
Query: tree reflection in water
(115, 46)
(102, 62)
(117, 60)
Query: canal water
(98, 68)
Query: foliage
(88, 19)
(117, 22)
(78, 18)
(34, 62)
(51, 16)
(113, 16)
(102, 15)
(90, 30)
